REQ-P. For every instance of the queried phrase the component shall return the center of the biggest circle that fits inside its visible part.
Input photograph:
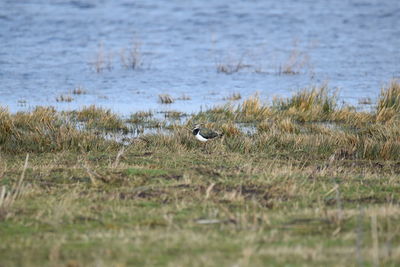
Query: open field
(300, 182)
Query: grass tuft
(43, 130)
(309, 105)
(252, 110)
(389, 101)
(100, 119)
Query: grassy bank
(303, 181)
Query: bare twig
(21, 179)
(119, 154)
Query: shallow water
(48, 48)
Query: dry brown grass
(389, 102)
(43, 129)
(100, 118)
(308, 99)
(253, 109)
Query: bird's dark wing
(207, 133)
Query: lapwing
(204, 134)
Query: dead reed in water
(165, 99)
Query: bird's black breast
(195, 131)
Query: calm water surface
(48, 48)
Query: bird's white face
(200, 138)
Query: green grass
(145, 172)
(261, 210)
(297, 191)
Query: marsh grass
(252, 110)
(305, 100)
(298, 190)
(389, 102)
(145, 119)
(100, 119)
(316, 104)
(175, 115)
(140, 116)
(44, 130)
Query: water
(48, 48)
